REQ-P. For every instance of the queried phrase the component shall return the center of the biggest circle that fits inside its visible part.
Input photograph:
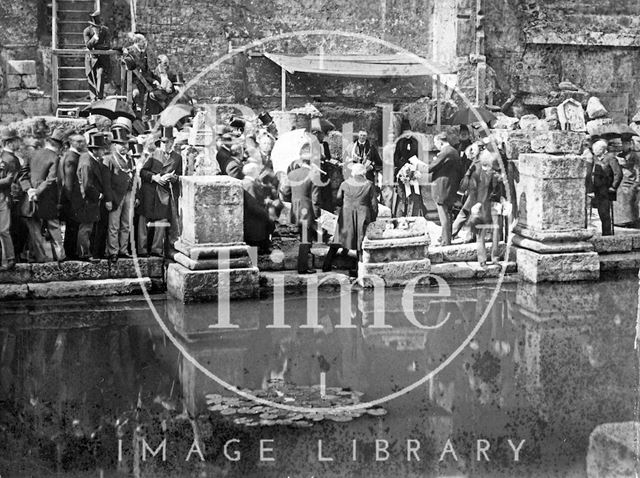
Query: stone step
(77, 270)
(77, 288)
(460, 252)
(330, 281)
(619, 261)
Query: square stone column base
(190, 285)
(557, 267)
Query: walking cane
(613, 229)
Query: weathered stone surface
(149, 267)
(209, 264)
(13, 291)
(569, 235)
(619, 261)
(212, 210)
(19, 275)
(395, 254)
(557, 142)
(528, 122)
(195, 286)
(504, 122)
(536, 267)
(21, 67)
(553, 193)
(614, 450)
(550, 247)
(88, 288)
(618, 243)
(211, 251)
(465, 252)
(546, 166)
(69, 271)
(395, 273)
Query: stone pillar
(551, 236)
(212, 260)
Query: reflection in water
(549, 364)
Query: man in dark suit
(68, 181)
(447, 172)
(604, 176)
(121, 171)
(406, 147)
(9, 170)
(257, 224)
(223, 155)
(302, 187)
(45, 237)
(160, 192)
(96, 37)
(365, 153)
(92, 186)
(235, 164)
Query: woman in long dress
(359, 208)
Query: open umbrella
(173, 114)
(290, 146)
(470, 116)
(111, 108)
(612, 130)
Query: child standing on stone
(487, 187)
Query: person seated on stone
(486, 190)
(301, 187)
(603, 179)
(359, 207)
(135, 59)
(162, 94)
(625, 209)
(258, 226)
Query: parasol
(175, 113)
(291, 146)
(612, 130)
(111, 108)
(471, 115)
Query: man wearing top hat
(159, 194)
(67, 183)
(121, 170)
(45, 237)
(96, 37)
(91, 187)
(9, 169)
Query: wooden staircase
(69, 20)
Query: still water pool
(83, 382)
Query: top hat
(122, 122)
(265, 118)
(97, 140)
(94, 18)
(167, 133)
(58, 135)
(141, 127)
(236, 122)
(9, 134)
(136, 149)
(120, 135)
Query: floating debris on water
(246, 413)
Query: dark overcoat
(446, 171)
(44, 178)
(156, 200)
